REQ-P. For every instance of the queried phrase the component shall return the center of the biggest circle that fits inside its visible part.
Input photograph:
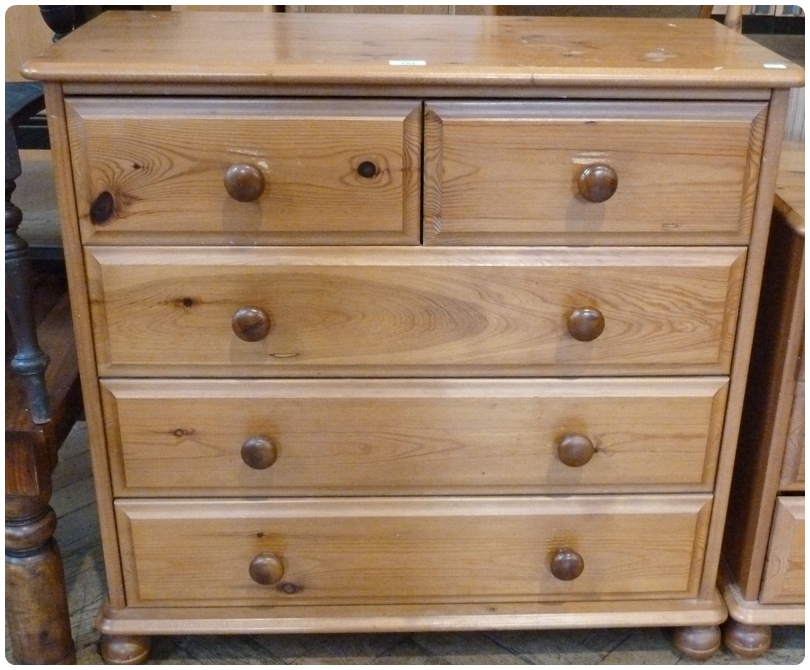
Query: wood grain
(790, 185)
(459, 51)
(167, 186)
(389, 437)
(79, 305)
(411, 550)
(769, 421)
(367, 311)
(500, 172)
(158, 306)
(792, 478)
(745, 331)
(433, 617)
(783, 578)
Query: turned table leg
(698, 643)
(29, 361)
(36, 601)
(125, 649)
(746, 640)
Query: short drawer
(783, 580)
(389, 437)
(573, 172)
(410, 550)
(203, 171)
(410, 311)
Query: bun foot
(698, 643)
(746, 640)
(124, 649)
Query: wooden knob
(266, 569)
(567, 565)
(575, 450)
(244, 182)
(367, 169)
(586, 324)
(259, 452)
(250, 324)
(597, 183)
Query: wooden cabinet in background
(763, 554)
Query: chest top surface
(184, 48)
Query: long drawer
(389, 437)
(564, 172)
(197, 171)
(411, 550)
(366, 311)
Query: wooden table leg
(36, 598)
(29, 361)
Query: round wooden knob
(250, 324)
(259, 452)
(575, 450)
(367, 169)
(597, 183)
(244, 182)
(586, 324)
(266, 569)
(567, 565)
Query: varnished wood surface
(471, 51)
(163, 184)
(757, 250)
(176, 438)
(77, 284)
(783, 579)
(479, 618)
(413, 311)
(753, 612)
(584, 639)
(37, 616)
(411, 550)
(792, 478)
(791, 187)
(665, 81)
(395, 9)
(54, 325)
(771, 436)
(501, 172)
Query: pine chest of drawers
(443, 328)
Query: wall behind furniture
(26, 36)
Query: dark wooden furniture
(43, 399)
(42, 402)
(36, 600)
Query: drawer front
(783, 580)
(267, 172)
(413, 311)
(792, 478)
(590, 172)
(410, 550)
(380, 437)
